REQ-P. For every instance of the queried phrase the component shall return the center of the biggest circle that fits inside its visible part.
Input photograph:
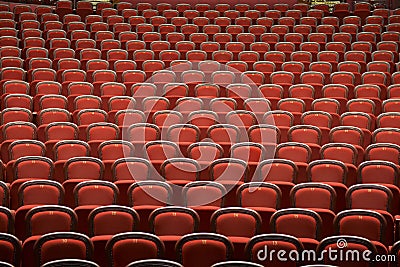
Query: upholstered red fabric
(278, 171)
(326, 172)
(143, 196)
(203, 253)
(40, 194)
(173, 223)
(299, 225)
(364, 226)
(369, 198)
(200, 195)
(378, 173)
(83, 170)
(49, 221)
(126, 251)
(295, 153)
(33, 168)
(112, 222)
(313, 197)
(6, 251)
(62, 249)
(236, 224)
(95, 195)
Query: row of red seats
(340, 10)
(17, 104)
(210, 15)
(301, 192)
(76, 31)
(270, 62)
(330, 172)
(322, 122)
(278, 33)
(291, 113)
(166, 83)
(206, 161)
(89, 195)
(213, 250)
(35, 55)
(176, 94)
(299, 108)
(83, 8)
(207, 97)
(319, 124)
(299, 99)
(231, 24)
(243, 125)
(227, 24)
(187, 49)
(74, 20)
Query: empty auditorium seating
(195, 134)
